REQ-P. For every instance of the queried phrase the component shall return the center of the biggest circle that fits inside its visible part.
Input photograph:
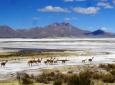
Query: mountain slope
(7, 32)
(63, 30)
(52, 31)
(101, 33)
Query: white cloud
(88, 10)
(53, 9)
(104, 4)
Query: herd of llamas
(50, 61)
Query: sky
(85, 14)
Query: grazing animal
(30, 62)
(39, 60)
(35, 61)
(56, 61)
(46, 62)
(63, 61)
(91, 59)
(51, 61)
(83, 61)
(4, 63)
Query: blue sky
(85, 14)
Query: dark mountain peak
(98, 32)
(101, 33)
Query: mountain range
(52, 31)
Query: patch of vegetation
(105, 77)
(107, 67)
(25, 79)
(108, 78)
(84, 77)
(68, 79)
(57, 82)
(49, 77)
(110, 75)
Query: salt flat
(90, 45)
(96, 44)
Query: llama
(56, 61)
(46, 62)
(51, 61)
(64, 61)
(4, 63)
(83, 61)
(30, 62)
(91, 59)
(39, 60)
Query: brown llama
(52, 61)
(39, 60)
(91, 59)
(83, 61)
(30, 62)
(56, 61)
(47, 61)
(64, 61)
(3, 63)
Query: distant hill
(7, 32)
(52, 31)
(101, 33)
